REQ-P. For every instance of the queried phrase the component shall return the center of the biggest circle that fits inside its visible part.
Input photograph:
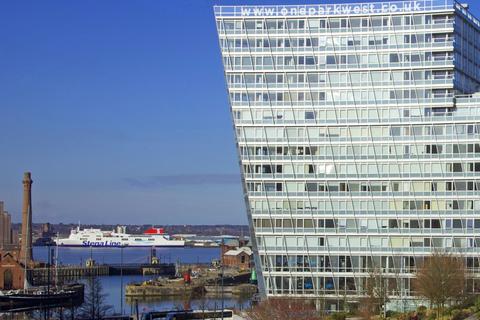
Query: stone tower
(26, 248)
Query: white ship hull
(99, 238)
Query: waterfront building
(7, 240)
(357, 127)
(239, 258)
(14, 260)
(12, 271)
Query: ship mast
(25, 281)
(56, 263)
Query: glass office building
(358, 133)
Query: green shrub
(338, 316)
(403, 316)
(421, 309)
(421, 312)
(477, 304)
(466, 302)
(460, 314)
(431, 316)
(392, 314)
(352, 308)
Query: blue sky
(120, 111)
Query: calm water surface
(78, 255)
(112, 285)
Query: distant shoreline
(199, 230)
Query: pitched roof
(230, 242)
(236, 252)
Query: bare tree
(94, 306)
(441, 280)
(283, 309)
(376, 294)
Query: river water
(112, 284)
(78, 255)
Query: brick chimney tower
(26, 247)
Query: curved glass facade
(358, 148)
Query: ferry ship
(153, 237)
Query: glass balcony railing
(332, 249)
(445, 24)
(446, 43)
(387, 140)
(330, 67)
(339, 213)
(378, 102)
(376, 156)
(321, 269)
(364, 231)
(367, 195)
(372, 85)
(386, 194)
